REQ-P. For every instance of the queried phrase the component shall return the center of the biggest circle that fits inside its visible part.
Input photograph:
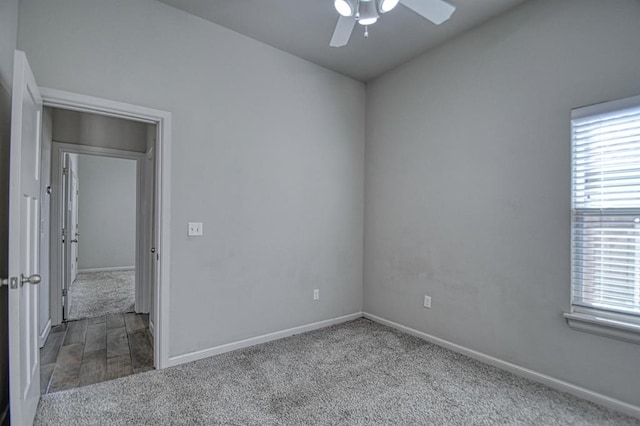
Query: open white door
(75, 233)
(67, 236)
(24, 219)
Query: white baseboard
(112, 268)
(552, 382)
(42, 339)
(228, 347)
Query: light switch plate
(427, 301)
(195, 229)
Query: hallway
(95, 294)
(79, 353)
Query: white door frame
(145, 298)
(84, 103)
(58, 201)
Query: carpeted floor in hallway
(357, 373)
(95, 294)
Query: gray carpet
(357, 373)
(94, 294)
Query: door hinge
(65, 171)
(64, 292)
(9, 282)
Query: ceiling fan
(366, 12)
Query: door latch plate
(11, 282)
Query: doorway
(102, 241)
(161, 221)
(102, 209)
(105, 233)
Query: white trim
(72, 148)
(58, 151)
(252, 341)
(42, 339)
(84, 103)
(552, 382)
(144, 298)
(109, 269)
(140, 236)
(604, 325)
(163, 120)
(605, 107)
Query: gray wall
(467, 173)
(268, 152)
(98, 130)
(8, 37)
(106, 212)
(467, 186)
(45, 216)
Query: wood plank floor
(83, 352)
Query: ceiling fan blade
(343, 31)
(437, 11)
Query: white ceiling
(304, 28)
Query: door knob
(32, 279)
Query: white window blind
(606, 207)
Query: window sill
(607, 327)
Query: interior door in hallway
(67, 235)
(74, 231)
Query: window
(605, 219)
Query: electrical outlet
(194, 229)
(427, 301)
(316, 294)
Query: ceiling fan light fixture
(345, 7)
(387, 5)
(368, 13)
